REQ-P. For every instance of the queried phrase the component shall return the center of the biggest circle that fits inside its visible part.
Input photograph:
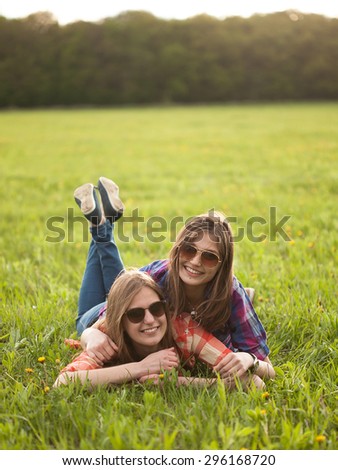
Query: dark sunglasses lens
(209, 259)
(188, 251)
(157, 309)
(135, 315)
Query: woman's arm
(265, 369)
(193, 338)
(97, 344)
(166, 359)
(246, 330)
(239, 363)
(157, 379)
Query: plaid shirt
(191, 340)
(194, 342)
(243, 331)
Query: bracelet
(253, 369)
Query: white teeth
(192, 271)
(150, 330)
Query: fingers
(109, 350)
(223, 363)
(168, 364)
(98, 358)
(102, 352)
(173, 358)
(153, 378)
(234, 371)
(168, 359)
(231, 369)
(113, 345)
(232, 364)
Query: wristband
(253, 369)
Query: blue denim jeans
(103, 265)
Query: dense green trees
(138, 58)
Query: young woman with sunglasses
(197, 278)
(138, 322)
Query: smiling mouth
(149, 331)
(192, 271)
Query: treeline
(138, 58)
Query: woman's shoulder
(238, 291)
(157, 269)
(236, 285)
(241, 305)
(241, 293)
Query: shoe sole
(84, 196)
(110, 197)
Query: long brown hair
(126, 286)
(215, 310)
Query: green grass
(170, 162)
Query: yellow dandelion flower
(310, 244)
(46, 389)
(265, 395)
(260, 298)
(300, 233)
(263, 412)
(41, 359)
(320, 438)
(161, 376)
(29, 370)
(292, 242)
(57, 361)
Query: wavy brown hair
(215, 310)
(126, 286)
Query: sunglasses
(208, 258)
(137, 314)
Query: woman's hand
(154, 379)
(98, 345)
(155, 363)
(237, 365)
(234, 364)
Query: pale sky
(67, 11)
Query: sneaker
(112, 205)
(251, 293)
(86, 199)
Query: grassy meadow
(171, 162)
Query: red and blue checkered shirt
(243, 331)
(191, 341)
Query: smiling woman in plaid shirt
(147, 342)
(197, 278)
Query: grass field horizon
(254, 163)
